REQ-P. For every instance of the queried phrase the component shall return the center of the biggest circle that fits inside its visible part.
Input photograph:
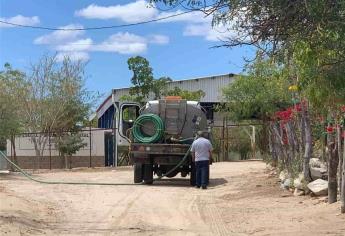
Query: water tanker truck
(161, 138)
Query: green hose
(89, 183)
(158, 128)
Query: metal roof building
(211, 85)
(110, 111)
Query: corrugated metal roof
(211, 85)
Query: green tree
(259, 94)
(56, 99)
(12, 88)
(142, 78)
(160, 88)
(320, 69)
(185, 94)
(143, 81)
(69, 144)
(145, 86)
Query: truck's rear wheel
(138, 173)
(148, 173)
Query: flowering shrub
(342, 108)
(330, 129)
(288, 113)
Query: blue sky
(179, 47)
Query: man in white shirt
(202, 154)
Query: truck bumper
(159, 154)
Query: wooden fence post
(332, 169)
(342, 196)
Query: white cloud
(123, 43)
(72, 43)
(138, 11)
(197, 24)
(73, 55)
(130, 13)
(215, 33)
(159, 39)
(127, 43)
(67, 43)
(78, 45)
(21, 20)
(60, 36)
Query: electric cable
(98, 27)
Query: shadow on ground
(179, 182)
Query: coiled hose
(89, 183)
(158, 128)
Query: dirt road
(243, 199)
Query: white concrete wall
(25, 146)
(3, 164)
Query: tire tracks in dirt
(210, 213)
(134, 195)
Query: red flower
(298, 107)
(342, 108)
(284, 115)
(288, 113)
(329, 129)
(321, 119)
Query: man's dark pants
(202, 173)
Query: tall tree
(56, 99)
(12, 89)
(260, 93)
(145, 86)
(142, 78)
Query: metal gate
(109, 149)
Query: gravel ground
(243, 199)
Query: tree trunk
(272, 149)
(277, 139)
(308, 142)
(70, 161)
(342, 196)
(332, 171)
(340, 166)
(37, 151)
(13, 145)
(66, 161)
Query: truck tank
(181, 118)
(162, 136)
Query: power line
(96, 28)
